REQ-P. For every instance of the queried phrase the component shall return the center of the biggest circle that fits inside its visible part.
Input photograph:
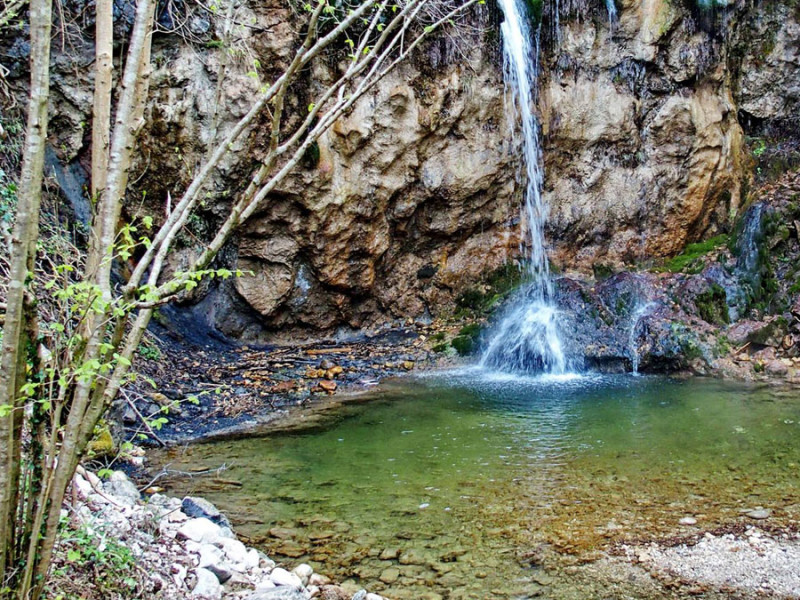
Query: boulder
(201, 531)
(202, 508)
(122, 489)
(282, 577)
(207, 585)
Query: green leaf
(74, 555)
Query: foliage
(149, 351)
(89, 554)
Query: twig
(144, 421)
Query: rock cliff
(414, 196)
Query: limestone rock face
(643, 151)
(415, 195)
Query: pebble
(688, 521)
(759, 513)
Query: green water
(458, 484)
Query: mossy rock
(689, 261)
(102, 444)
(712, 305)
(464, 345)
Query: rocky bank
(162, 547)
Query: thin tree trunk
(84, 410)
(101, 112)
(23, 253)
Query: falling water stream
(527, 339)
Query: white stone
(200, 530)
(688, 521)
(375, 597)
(210, 555)
(266, 584)
(303, 571)
(177, 516)
(207, 586)
(281, 576)
(252, 560)
(235, 550)
(122, 489)
(83, 487)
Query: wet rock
(283, 533)
(390, 575)
(389, 554)
(328, 386)
(766, 333)
(202, 508)
(776, 368)
(759, 513)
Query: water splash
(527, 339)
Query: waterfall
(527, 339)
(636, 318)
(612, 10)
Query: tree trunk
(23, 254)
(101, 112)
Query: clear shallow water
(459, 478)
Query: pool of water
(454, 483)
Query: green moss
(472, 299)
(602, 271)
(535, 9)
(688, 261)
(712, 305)
(441, 347)
(497, 286)
(102, 444)
(438, 336)
(464, 345)
(471, 330)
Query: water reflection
(464, 471)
